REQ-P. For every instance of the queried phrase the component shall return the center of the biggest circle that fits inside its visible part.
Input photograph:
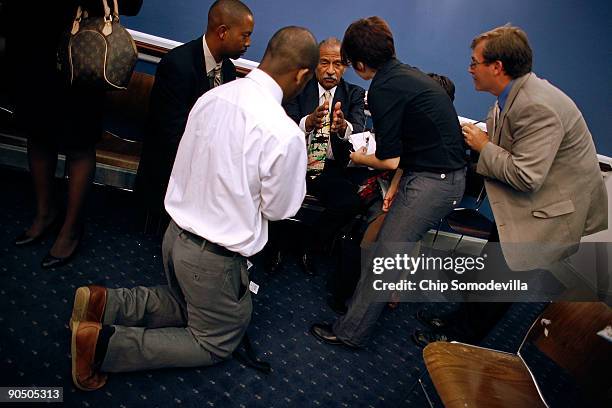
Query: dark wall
(571, 40)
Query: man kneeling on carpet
(240, 141)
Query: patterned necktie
(317, 150)
(215, 77)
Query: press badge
(253, 287)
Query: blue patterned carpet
(35, 306)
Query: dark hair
(445, 83)
(291, 48)
(369, 41)
(509, 45)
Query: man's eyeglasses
(473, 63)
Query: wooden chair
(571, 341)
(566, 332)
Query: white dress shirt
(240, 163)
(349, 127)
(209, 61)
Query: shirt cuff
(348, 131)
(303, 124)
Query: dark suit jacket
(352, 100)
(179, 81)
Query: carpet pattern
(35, 306)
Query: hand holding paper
(363, 144)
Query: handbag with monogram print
(98, 53)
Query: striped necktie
(214, 77)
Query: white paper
(606, 333)
(481, 125)
(359, 140)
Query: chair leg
(433, 243)
(457, 244)
(146, 223)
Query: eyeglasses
(474, 63)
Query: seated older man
(328, 111)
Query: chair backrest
(474, 186)
(470, 376)
(566, 332)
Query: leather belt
(208, 245)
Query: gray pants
(198, 319)
(423, 198)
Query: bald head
(230, 25)
(226, 12)
(290, 59)
(291, 48)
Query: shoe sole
(79, 309)
(73, 358)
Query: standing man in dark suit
(328, 111)
(183, 75)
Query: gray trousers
(197, 319)
(423, 198)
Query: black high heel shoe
(51, 261)
(24, 239)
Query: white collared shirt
(240, 163)
(349, 127)
(209, 60)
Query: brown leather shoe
(89, 305)
(83, 350)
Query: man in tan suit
(541, 175)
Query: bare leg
(42, 158)
(81, 168)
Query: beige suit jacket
(542, 175)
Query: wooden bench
(117, 153)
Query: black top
(352, 102)
(414, 119)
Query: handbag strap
(77, 21)
(106, 9)
(108, 20)
(116, 10)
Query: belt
(208, 245)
